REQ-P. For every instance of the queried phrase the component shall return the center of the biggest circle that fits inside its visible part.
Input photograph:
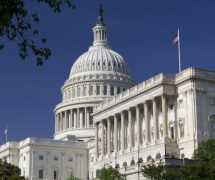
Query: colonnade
(132, 127)
(92, 90)
(74, 118)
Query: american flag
(175, 39)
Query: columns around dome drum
(73, 118)
(133, 127)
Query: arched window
(140, 160)
(125, 164)
(158, 156)
(132, 162)
(149, 158)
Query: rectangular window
(91, 91)
(97, 90)
(55, 158)
(181, 130)
(112, 91)
(118, 90)
(79, 91)
(85, 91)
(105, 90)
(40, 157)
(172, 133)
(55, 174)
(40, 173)
(70, 159)
(73, 92)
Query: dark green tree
(204, 168)
(18, 24)
(158, 171)
(73, 178)
(9, 171)
(206, 151)
(109, 173)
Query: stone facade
(47, 159)
(164, 115)
(105, 119)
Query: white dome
(100, 59)
(96, 75)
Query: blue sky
(141, 31)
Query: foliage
(199, 171)
(158, 171)
(205, 151)
(73, 178)
(18, 23)
(9, 171)
(202, 168)
(109, 173)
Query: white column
(85, 117)
(164, 116)
(102, 89)
(108, 136)
(108, 89)
(115, 90)
(65, 120)
(75, 119)
(81, 119)
(94, 89)
(96, 140)
(78, 118)
(102, 138)
(88, 90)
(115, 133)
(56, 122)
(32, 164)
(122, 131)
(155, 124)
(88, 119)
(71, 118)
(129, 128)
(146, 122)
(61, 120)
(138, 124)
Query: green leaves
(109, 173)
(202, 168)
(205, 151)
(158, 171)
(73, 178)
(17, 23)
(9, 171)
(56, 5)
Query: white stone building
(47, 159)
(117, 122)
(164, 115)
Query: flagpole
(6, 133)
(179, 52)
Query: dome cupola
(96, 75)
(100, 58)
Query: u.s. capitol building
(104, 118)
